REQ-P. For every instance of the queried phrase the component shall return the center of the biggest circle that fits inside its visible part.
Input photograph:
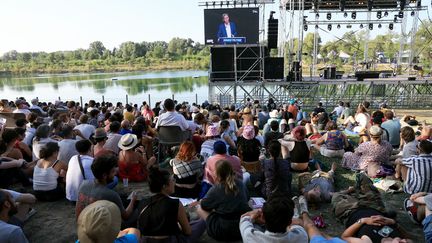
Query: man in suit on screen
(227, 28)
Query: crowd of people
(218, 156)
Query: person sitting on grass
(277, 218)
(104, 169)
(164, 219)
(223, 204)
(277, 175)
(101, 222)
(296, 149)
(187, 171)
(408, 142)
(9, 233)
(318, 186)
(79, 169)
(272, 134)
(333, 142)
(416, 171)
(47, 173)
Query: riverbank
(109, 65)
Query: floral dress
(365, 153)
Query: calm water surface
(184, 85)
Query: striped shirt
(419, 175)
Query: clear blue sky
(52, 25)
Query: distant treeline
(129, 56)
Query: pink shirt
(210, 168)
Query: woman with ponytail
(223, 204)
(277, 175)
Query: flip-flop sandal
(411, 208)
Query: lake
(184, 85)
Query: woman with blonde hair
(361, 119)
(223, 205)
(187, 171)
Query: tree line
(178, 53)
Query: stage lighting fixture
(235, 3)
(214, 4)
(401, 14)
(338, 26)
(248, 3)
(317, 15)
(379, 26)
(328, 16)
(305, 27)
(329, 27)
(349, 26)
(371, 26)
(271, 14)
(221, 4)
(379, 14)
(395, 19)
(206, 4)
(353, 15)
(391, 26)
(361, 26)
(316, 27)
(385, 14)
(255, 2)
(418, 3)
(412, 13)
(345, 14)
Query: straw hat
(246, 110)
(128, 141)
(99, 222)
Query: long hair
(275, 151)
(186, 151)
(226, 176)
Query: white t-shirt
(172, 118)
(25, 111)
(86, 129)
(37, 145)
(67, 150)
(74, 177)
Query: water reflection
(162, 84)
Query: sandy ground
(55, 221)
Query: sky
(54, 25)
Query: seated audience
(100, 137)
(227, 135)
(47, 173)
(171, 117)
(212, 135)
(333, 142)
(10, 138)
(133, 162)
(223, 204)
(21, 145)
(187, 171)
(79, 169)
(86, 129)
(277, 175)
(101, 222)
(393, 127)
(41, 139)
(360, 121)
(21, 107)
(164, 219)
(9, 233)
(295, 148)
(425, 199)
(113, 138)
(408, 142)
(374, 152)
(125, 127)
(277, 217)
(416, 171)
(67, 144)
(249, 149)
(272, 134)
(104, 169)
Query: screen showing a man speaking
(231, 26)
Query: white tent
(343, 55)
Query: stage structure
(239, 71)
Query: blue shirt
(128, 238)
(321, 239)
